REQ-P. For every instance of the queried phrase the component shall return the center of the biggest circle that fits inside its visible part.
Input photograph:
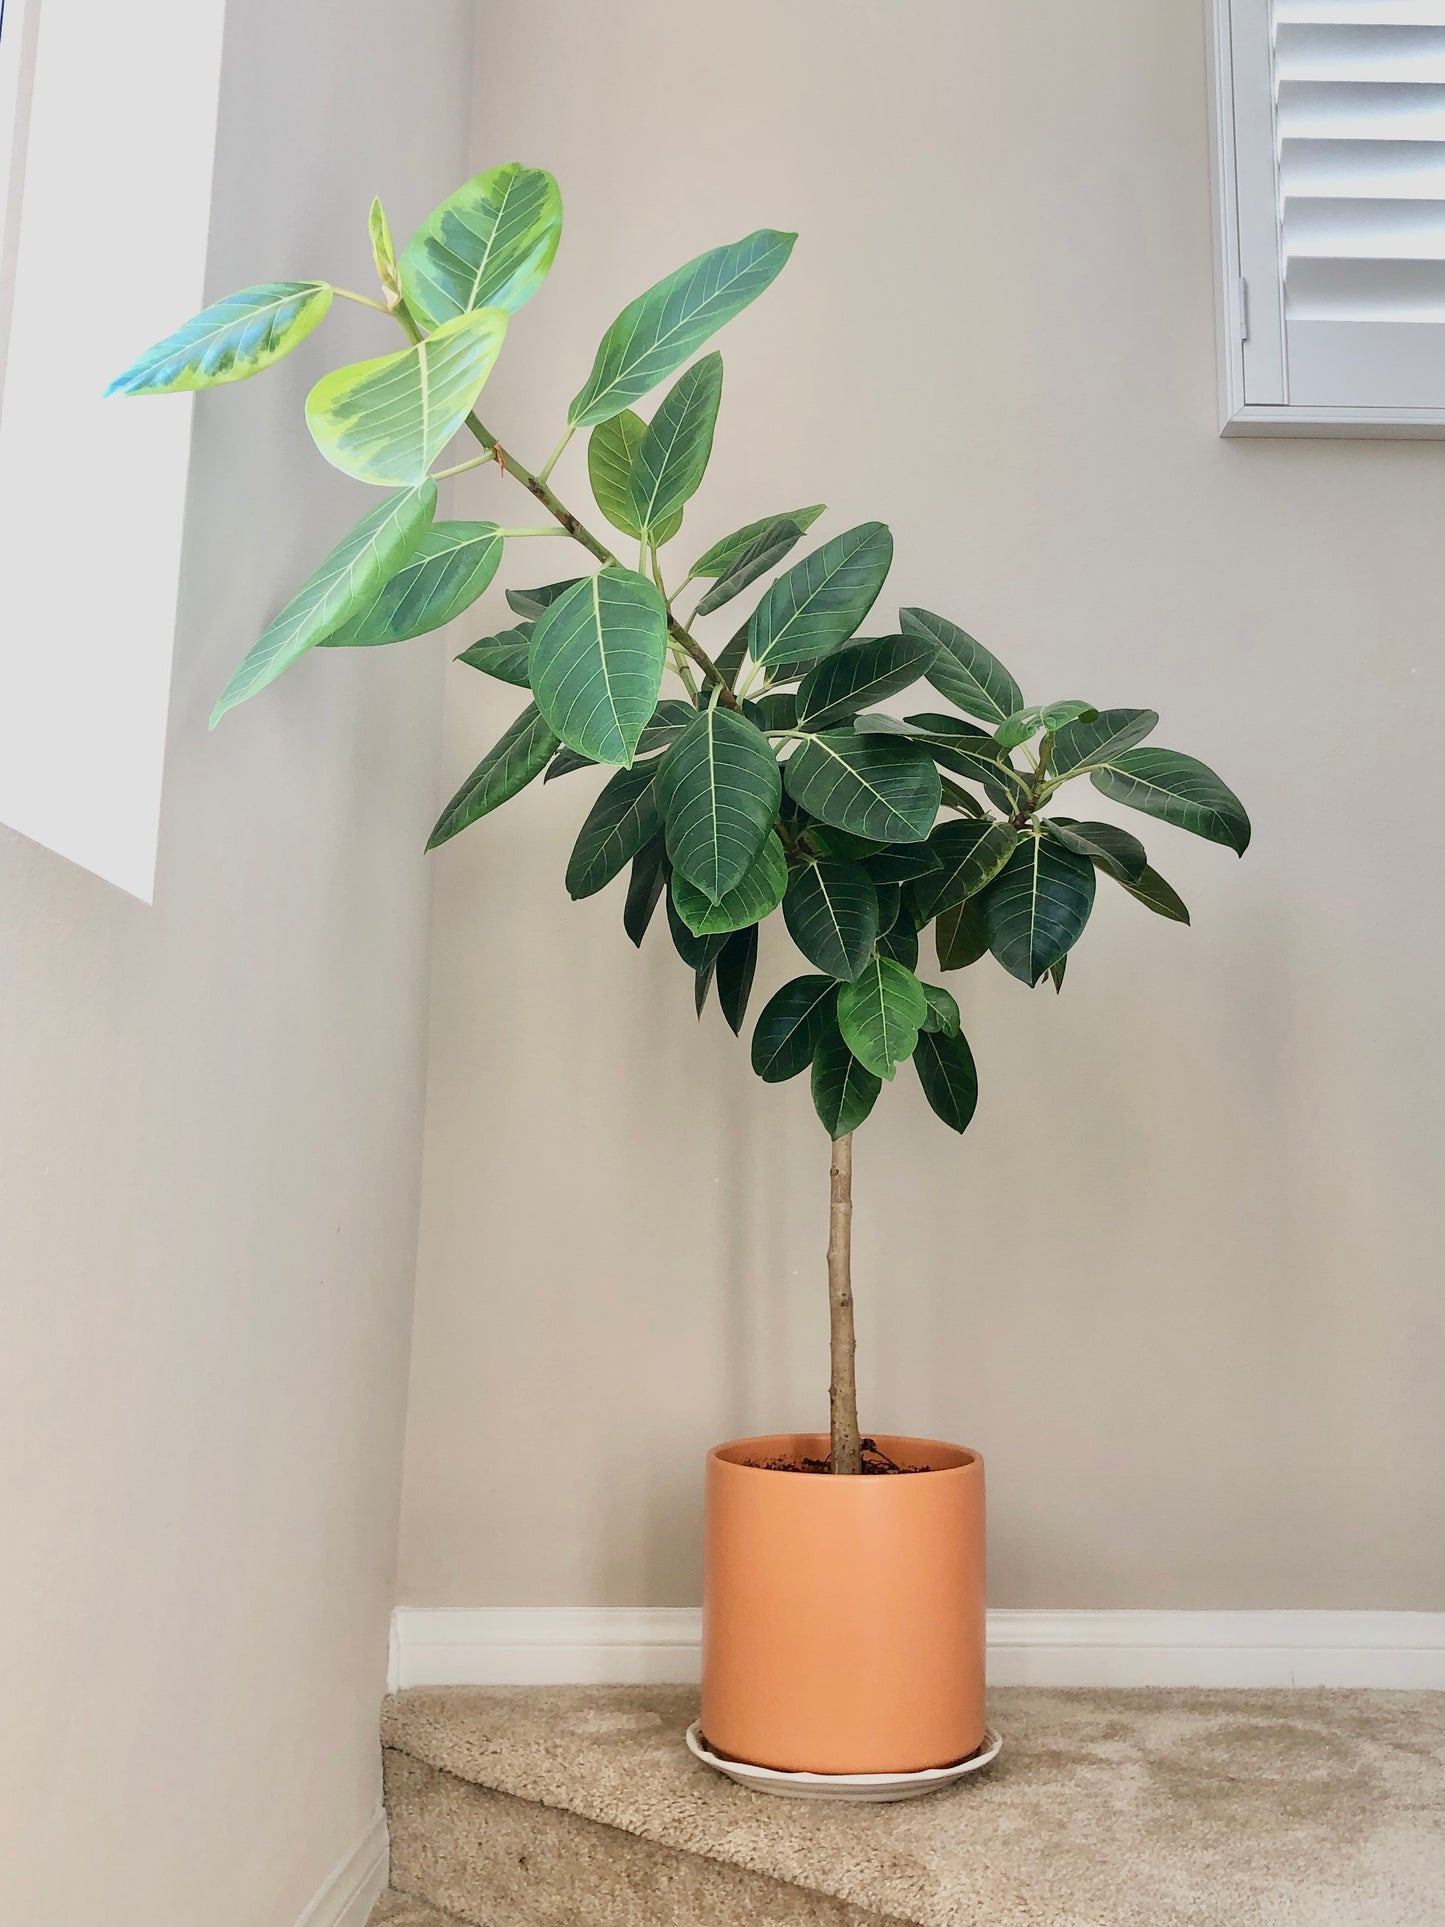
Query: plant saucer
(842, 1786)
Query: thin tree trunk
(847, 1446)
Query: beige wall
(209, 1124)
(1181, 1281)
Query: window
(1330, 151)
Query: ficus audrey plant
(767, 780)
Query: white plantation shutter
(1331, 141)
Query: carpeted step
(579, 1807)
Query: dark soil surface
(875, 1464)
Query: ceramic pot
(843, 1618)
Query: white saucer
(843, 1786)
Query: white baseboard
(578, 1645)
(349, 1892)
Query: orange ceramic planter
(843, 1618)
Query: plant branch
(846, 1447)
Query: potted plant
(844, 1596)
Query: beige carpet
(574, 1805)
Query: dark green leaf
(644, 889)
(823, 836)
(656, 333)
(863, 673)
(1113, 849)
(793, 1023)
(444, 574)
(766, 545)
(1056, 972)
(969, 752)
(756, 896)
(1079, 745)
(831, 911)
(507, 767)
(731, 659)
(672, 456)
(779, 709)
(890, 902)
(1157, 895)
(672, 718)
(622, 820)
(230, 340)
(943, 1013)
(960, 935)
(970, 855)
(900, 942)
(724, 555)
(718, 791)
(950, 1082)
(702, 982)
(881, 1015)
(597, 659)
(736, 963)
(1179, 790)
(695, 951)
(873, 786)
(964, 671)
(530, 603)
(1036, 907)
(566, 763)
(956, 799)
(815, 606)
(844, 1092)
(503, 656)
(489, 245)
(903, 864)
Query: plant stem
(362, 300)
(846, 1453)
(553, 459)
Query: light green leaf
(831, 911)
(346, 581)
(611, 447)
(862, 673)
(844, 1092)
(719, 791)
(943, 1015)
(660, 330)
(881, 1015)
(622, 820)
(504, 656)
(791, 1026)
(964, 671)
(445, 573)
(1028, 722)
(387, 420)
(489, 245)
(873, 786)
(1079, 745)
(596, 665)
(1036, 907)
(507, 767)
(1157, 895)
(757, 896)
(724, 555)
(1105, 844)
(950, 1082)
(1178, 789)
(960, 935)
(383, 252)
(970, 856)
(814, 607)
(229, 341)
(672, 456)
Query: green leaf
(1054, 715)
(817, 605)
(890, 903)
(1157, 895)
(776, 710)
(904, 864)
(346, 581)
(969, 855)
(943, 1015)
(1036, 907)
(671, 719)
(622, 820)
(950, 1082)
(672, 455)
(718, 790)
(873, 786)
(964, 671)
(530, 603)
(831, 911)
(702, 982)
(229, 341)
(1079, 745)
(881, 1015)
(644, 889)
(504, 656)
(960, 935)
(863, 673)
(696, 952)
(821, 836)
(956, 799)
(489, 245)
(1105, 844)
(844, 1092)
(508, 766)
(1024, 723)
(969, 751)
(445, 573)
(755, 897)
(900, 942)
(386, 421)
(1179, 790)
(610, 450)
(736, 561)
(660, 330)
(383, 251)
(737, 962)
(791, 1026)
(1056, 972)
(597, 659)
